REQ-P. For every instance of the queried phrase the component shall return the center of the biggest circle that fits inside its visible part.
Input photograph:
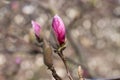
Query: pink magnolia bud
(36, 28)
(59, 29)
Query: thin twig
(64, 61)
(55, 75)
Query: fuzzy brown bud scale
(48, 59)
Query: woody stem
(65, 63)
(55, 75)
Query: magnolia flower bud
(59, 29)
(37, 30)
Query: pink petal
(59, 29)
(36, 28)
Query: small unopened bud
(80, 73)
(48, 59)
(37, 30)
(59, 29)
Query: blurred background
(93, 38)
